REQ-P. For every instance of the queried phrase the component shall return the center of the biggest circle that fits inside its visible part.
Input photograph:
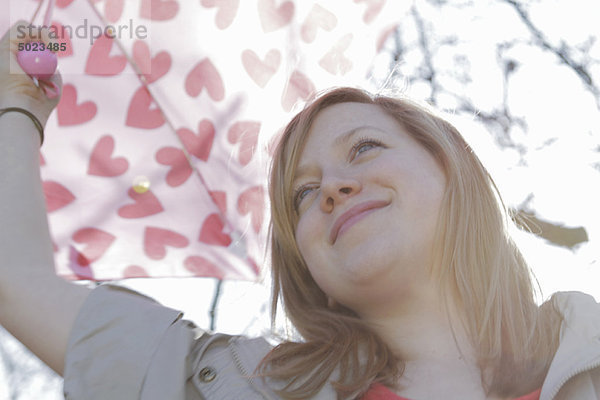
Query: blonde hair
(478, 266)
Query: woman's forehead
(336, 126)
(342, 116)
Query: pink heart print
(200, 266)
(273, 17)
(260, 71)
(198, 145)
(227, 9)
(159, 10)
(252, 201)
(71, 113)
(135, 271)
(373, 9)
(318, 17)
(146, 204)
(180, 168)
(246, 133)
(79, 271)
(384, 35)
(152, 68)
(100, 62)
(113, 10)
(97, 242)
(101, 161)
(212, 231)
(63, 3)
(205, 75)
(141, 114)
(62, 39)
(156, 240)
(299, 87)
(334, 61)
(57, 196)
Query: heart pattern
(180, 168)
(372, 10)
(205, 76)
(135, 271)
(245, 133)
(212, 231)
(141, 114)
(57, 196)
(198, 145)
(101, 162)
(227, 9)
(299, 88)
(260, 71)
(156, 240)
(200, 266)
(100, 62)
(334, 61)
(152, 68)
(318, 17)
(128, 198)
(146, 204)
(220, 199)
(71, 113)
(159, 10)
(60, 38)
(76, 270)
(63, 3)
(252, 201)
(96, 243)
(273, 17)
(113, 10)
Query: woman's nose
(335, 191)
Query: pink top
(380, 392)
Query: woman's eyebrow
(340, 140)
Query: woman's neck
(430, 339)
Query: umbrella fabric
(156, 159)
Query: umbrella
(156, 159)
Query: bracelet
(32, 117)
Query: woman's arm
(36, 306)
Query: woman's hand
(17, 89)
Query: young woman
(390, 255)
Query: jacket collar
(578, 351)
(579, 348)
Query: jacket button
(207, 374)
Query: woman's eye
(364, 145)
(301, 193)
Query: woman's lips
(353, 215)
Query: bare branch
(428, 70)
(563, 52)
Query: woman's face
(368, 197)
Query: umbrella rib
(144, 82)
(37, 10)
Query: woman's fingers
(17, 89)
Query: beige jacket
(125, 346)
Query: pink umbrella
(155, 161)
